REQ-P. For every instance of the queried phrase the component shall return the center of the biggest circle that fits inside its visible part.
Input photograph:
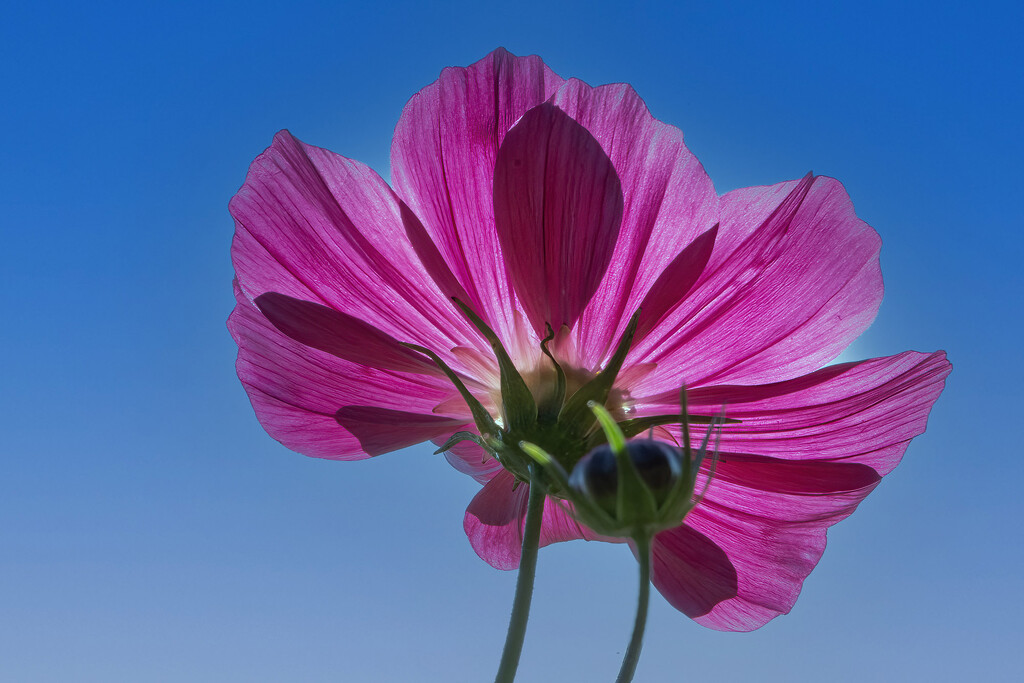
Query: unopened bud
(596, 475)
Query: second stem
(629, 662)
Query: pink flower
(536, 200)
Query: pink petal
(792, 280)
(668, 201)
(300, 394)
(442, 164)
(382, 430)
(740, 481)
(768, 520)
(497, 514)
(691, 571)
(740, 558)
(675, 282)
(494, 521)
(340, 335)
(865, 412)
(769, 562)
(316, 226)
(830, 435)
(771, 518)
(557, 208)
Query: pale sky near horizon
(150, 530)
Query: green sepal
(584, 509)
(459, 437)
(714, 463)
(596, 519)
(636, 513)
(689, 472)
(638, 425)
(575, 418)
(702, 451)
(545, 460)
(484, 422)
(636, 506)
(682, 499)
(612, 432)
(519, 407)
(547, 411)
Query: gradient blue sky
(151, 531)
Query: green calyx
(640, 505)
(553, 430)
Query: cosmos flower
(553, 210)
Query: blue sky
(151, 531)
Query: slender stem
(629, 662)
(524, 582)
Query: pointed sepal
(518, 404)
(484, 422)
(576, 419)
(459, 437)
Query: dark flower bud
(596, 475)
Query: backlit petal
(557, 208)
(496, 516)
(668, 201)
(340, 334)
(298, 393)
(691, 571)
(804, 455)
(792, 280)
(316, 226)
(864, 412)
(442, 164)
(770, 561)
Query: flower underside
(552, 411)
(552, 210)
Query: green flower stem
(629, 662)
(524, 582)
